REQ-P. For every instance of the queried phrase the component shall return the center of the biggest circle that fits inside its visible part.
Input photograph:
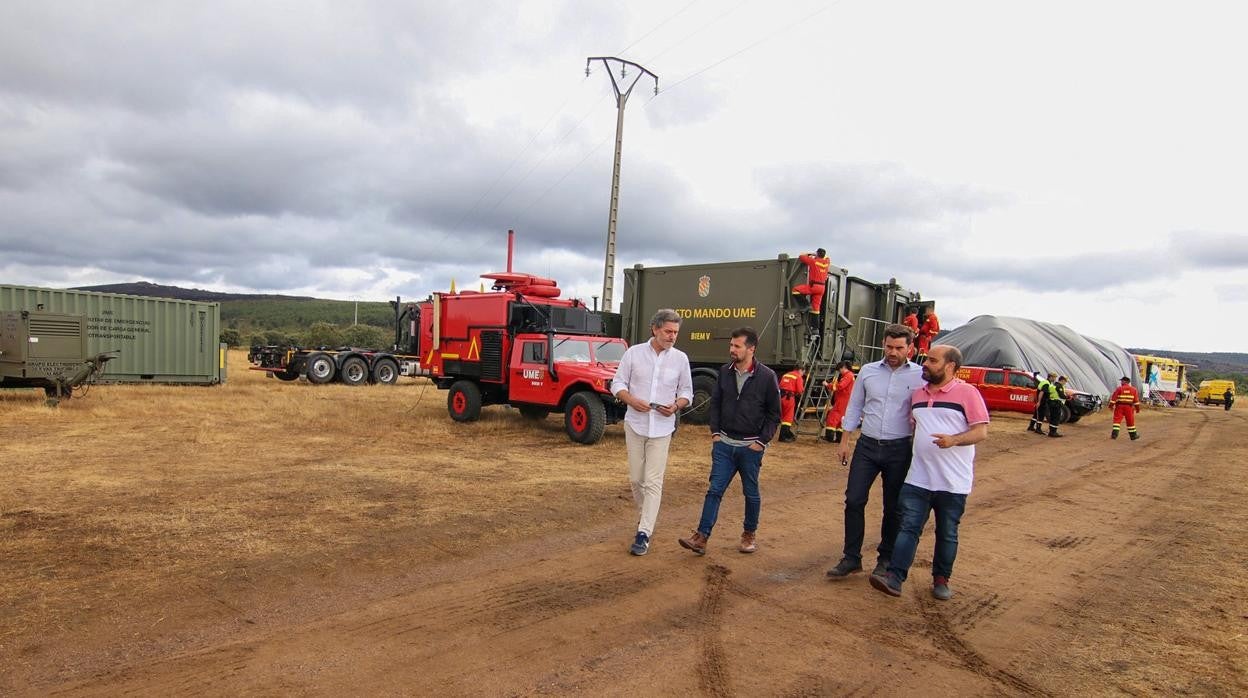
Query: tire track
(713, 676)
(946, 638)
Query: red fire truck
(519, 345)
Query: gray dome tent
(1093, 365)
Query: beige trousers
(647, 461)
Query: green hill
(250, 319)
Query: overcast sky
(1075, 162)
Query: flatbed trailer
(350, 365)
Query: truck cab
(569, 374)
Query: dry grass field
(264, 537)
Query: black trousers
(890, 460)
(1041, 412)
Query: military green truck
(46, 350)
(713, 299)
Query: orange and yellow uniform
(792, 384)
(840, 402)
(1126, 402)
(816, 280)
(931, 326)
(912, 321)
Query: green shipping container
(161, 340)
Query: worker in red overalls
(816, 279)
(792, 385)
(928, 332)
(841, 385)
(1126, 402)
(912, 321)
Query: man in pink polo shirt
(949, 417)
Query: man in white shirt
(653, 379)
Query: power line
(549, 152)
(525, 149)
(725, 59)
(697, 31)
(656, 28)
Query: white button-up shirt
(880, 401)
(657, 377)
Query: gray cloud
(313, 145)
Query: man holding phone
(654, 380)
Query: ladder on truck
(816, 399)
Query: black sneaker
(641, 544)
(844, 568)
(881, 567)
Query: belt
(886, 442)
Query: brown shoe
(696, 543)
(748, 544)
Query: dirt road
(1086, 566)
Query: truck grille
(491, 355)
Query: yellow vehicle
(1164, 377)
(1211, 391)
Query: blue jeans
(727, 461)
(915, 504)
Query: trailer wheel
(386, 372)
(464, 402)
(534, 412)
(585, 418)
(354, 371)
(286, 375)
(699, 411)
(321, 369)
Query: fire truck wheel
(534, 413)
(700, 409)
(386, 372)
(464, 402)
(321, 369)
(585, 417)
(287, 375)
(354, 371)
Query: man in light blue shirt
(654, 380)
(880, 405)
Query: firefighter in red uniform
(929, 330)
(841, 386)
(792, 385)
(912, 321)
(1126, 402)
(816, 279)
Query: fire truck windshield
(571, 350)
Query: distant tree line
(307, 323)
(320, 334)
